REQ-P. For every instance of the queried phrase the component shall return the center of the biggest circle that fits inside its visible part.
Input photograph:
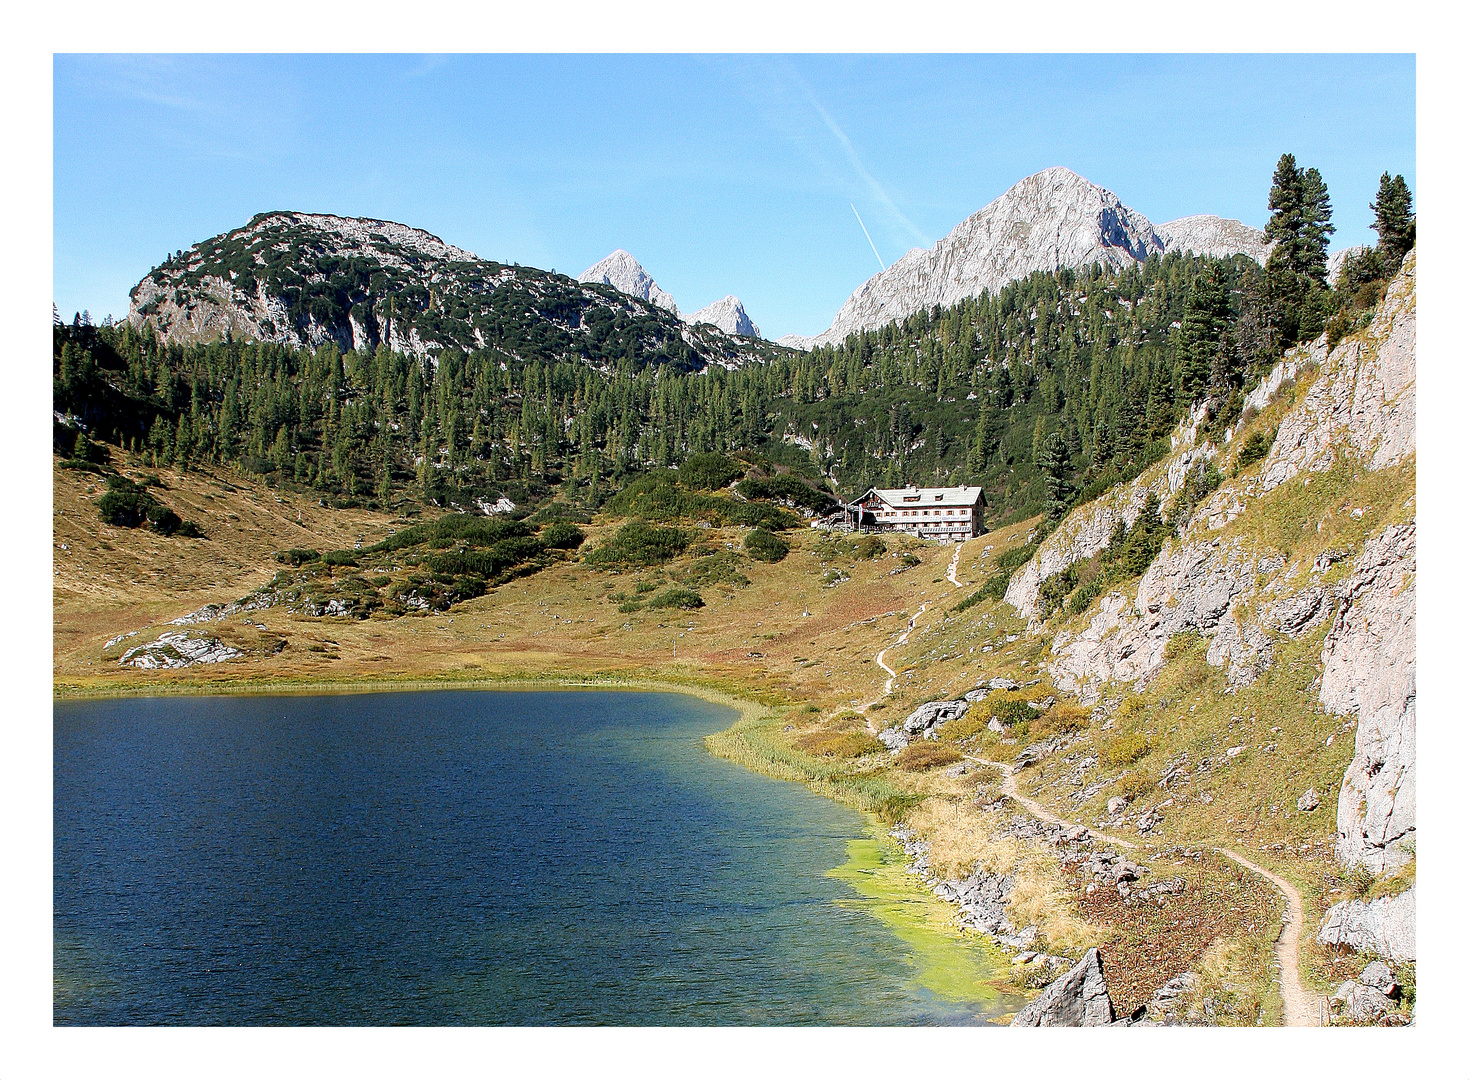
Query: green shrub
(717, 568)
(909, 559)
(562, 535)
(1134, 785)
(766, 546)
(339, 558)
(869, 547)
(677, 597)
(297, 556)
(1124, 749)
(1181, 644)
(130, 506)
(1256, 447)
(709, 472)
(786, 488)
(639, 544)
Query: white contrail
(867, 234)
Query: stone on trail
(1077, 999)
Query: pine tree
(1054, 462)
(1396, 225)
(1316, 226)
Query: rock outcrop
(1386, 927)
(728, 315)
(1365, 398)
(922, 723)
(1361, 402)
(1047, 221)
(1369, 670)
(1077, 999)
(626, 275)
(178, 649)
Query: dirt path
(1301, 1007)
(887, 688)
(953, 573)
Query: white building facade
(945, 513)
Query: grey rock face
(1369, 665)
(1387, 927)
(1077, 999)
(728, 315)
(922, 723)
(1208, 234)
(626, 275)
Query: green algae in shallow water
(950, 964)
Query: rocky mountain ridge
(1052, 219)
(304, 280)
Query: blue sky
(719, 173)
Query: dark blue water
(450, 858)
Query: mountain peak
(625, 274)
(728, 315)
(1052, 219)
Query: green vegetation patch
(766, 546)
(128, 505)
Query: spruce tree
(1316, 226)
(1396, 225)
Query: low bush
(766, 546)
(717, 568)
(297, 556)
(1061, 719)
(639, 544)
(1256, 446)
(130, 506)
(839, 744)
(709, 472)
(787, 489)
(677, 597)
(339, 558)
(918, 756)
(1181, 644)
(562, 535)
(1134, 785)
(1123, 749)
(869, 547)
